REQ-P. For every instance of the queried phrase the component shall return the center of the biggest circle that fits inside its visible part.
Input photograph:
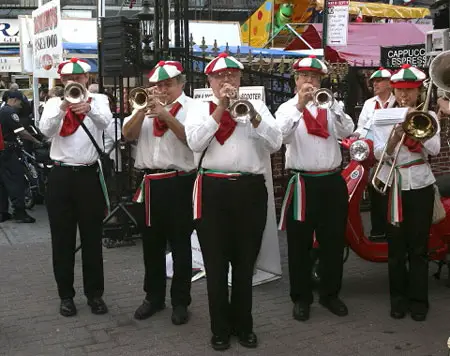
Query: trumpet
(323, 98)
(240, 109)
(419, 125)
(141, 98)
(75, 93)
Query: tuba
(75, 93)
(419, 125)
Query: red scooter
(356, 175)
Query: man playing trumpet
(75, 197)
(168, 167)
(320, 194)
(411, 184)
(230, 197)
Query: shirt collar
(181, 99)
(390, 100)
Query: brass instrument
(140, 98)
(75, 93)
(323, 98)
(240, 109)
(419, 125)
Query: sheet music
(389, 116)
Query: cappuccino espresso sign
(395, 57)
(47, 43)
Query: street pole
(100, 14)
(325, 27)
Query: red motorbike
(356, 175)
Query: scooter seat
(443, 183)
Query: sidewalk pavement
(31, 325)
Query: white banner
(337, 30)
(268, 264)
(47, 40)
(9, 31)
(10, 65)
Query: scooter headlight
(359, 150)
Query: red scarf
(316, 126)
(378, 106)
(71, 123)
(226, 126)
(160, 127)
(413, 145)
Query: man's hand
(443, 106)
(64, 105)
(154, 107)
(354, 135)
(305, 95)
(224, 95)
(80, 108)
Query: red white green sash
(142, 194)
(395, 210)
(295, 193)
(198, 186)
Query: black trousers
(12, 184)
(230, 230)
(326, 215)
(409, 243)
(378, 211)
(75, 199)
(171, 221)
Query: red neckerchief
(316, 126)
(413, 145)
(378, 106)
(160, 127)
(226, 126)
(71, 123)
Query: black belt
(75, 168)
(156, 171)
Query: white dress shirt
(244, 151)
(76, 149)
(365, 120)
(414, 177)
(167, 151)
(306, 152)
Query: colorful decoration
(283, 16)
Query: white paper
(389, 116)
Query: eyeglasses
(310, 75)
(232, 74)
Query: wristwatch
(257, 118)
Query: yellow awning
(383, 10)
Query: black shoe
(67, 307)
(301, 311)
(248, 340)
(5, 217)
(397, 314)
(418, 316)
(23, 217)
(180, 315)
(334, 305)
(220, 343)
(98, 306)
(147, 309)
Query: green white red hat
(165, 70)
(381, 73)
(408, 77)
(74, 66)
(310, 64)
(223, 62)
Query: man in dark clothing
(11, 169)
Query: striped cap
(311, 64)
(221, 62)
(381, 73)
(408, 77)
(74, 66)
(165, 70)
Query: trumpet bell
(440, 71)
(75, 93)
(323, 98)
(420, 125)
(240, 110)
(138, 98)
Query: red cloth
(316, 126)
(71, 123)
(413, 145)
(378, 106)
(226, 126)
(160, 127)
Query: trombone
(419, 125)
